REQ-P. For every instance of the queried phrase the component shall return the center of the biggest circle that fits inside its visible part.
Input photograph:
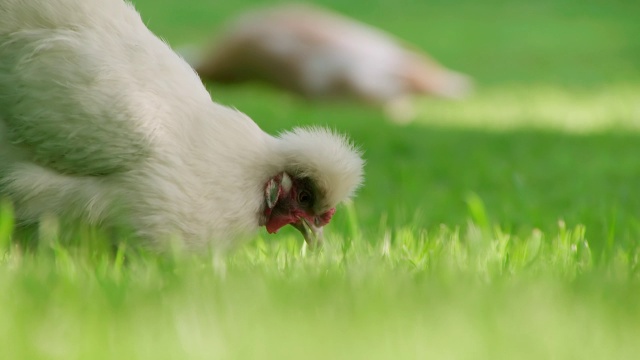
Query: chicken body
(102, 122)
(322, 55)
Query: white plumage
(101, 121)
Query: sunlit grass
(574, 111)
(454, 293)
(470, 292)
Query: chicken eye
(304, 198)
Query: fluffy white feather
(324, 156)
(101, 121)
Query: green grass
(505, 226)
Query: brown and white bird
(320, 54)
(100, 121)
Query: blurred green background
(564, 42)
(547, 136)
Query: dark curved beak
(311, 233)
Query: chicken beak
(311, 233)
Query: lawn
(505, 226)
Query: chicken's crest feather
(329, 159)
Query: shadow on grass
(525, 178)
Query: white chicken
(320, 54)
(101, 122)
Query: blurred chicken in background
(320, 54)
